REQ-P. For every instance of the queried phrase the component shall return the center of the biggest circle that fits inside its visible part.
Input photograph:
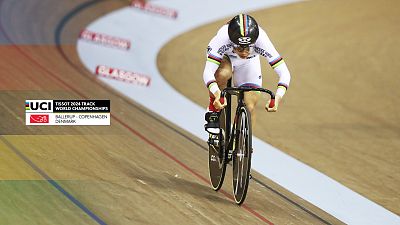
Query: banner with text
(67, 112)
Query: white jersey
(220, 46)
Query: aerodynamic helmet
(243, 30)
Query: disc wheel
(217, 157)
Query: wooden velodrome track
(340, 116)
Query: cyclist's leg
(251, 99)
(249, 74)
(224, 72)
(222, 75)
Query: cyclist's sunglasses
(242, 48)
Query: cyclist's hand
(219, 103)
(273, 107)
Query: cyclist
(235, 50)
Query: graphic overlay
(67, 112)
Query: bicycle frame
(231, 132)
(234, 143)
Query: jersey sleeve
(265, 48)
(215, 52)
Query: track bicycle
(232, 141)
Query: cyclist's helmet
(243, 30)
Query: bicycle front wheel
(217, 155)
(241, 156)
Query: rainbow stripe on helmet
(244, 24)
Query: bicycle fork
(233, 138)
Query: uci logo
(244, 40)
(38, 105)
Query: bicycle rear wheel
(241, 156)
(217, 155)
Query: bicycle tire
(241, 157)
(217, 155)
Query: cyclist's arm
(284, 77)
(208, 76)
(215, 51)
(265, 48)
